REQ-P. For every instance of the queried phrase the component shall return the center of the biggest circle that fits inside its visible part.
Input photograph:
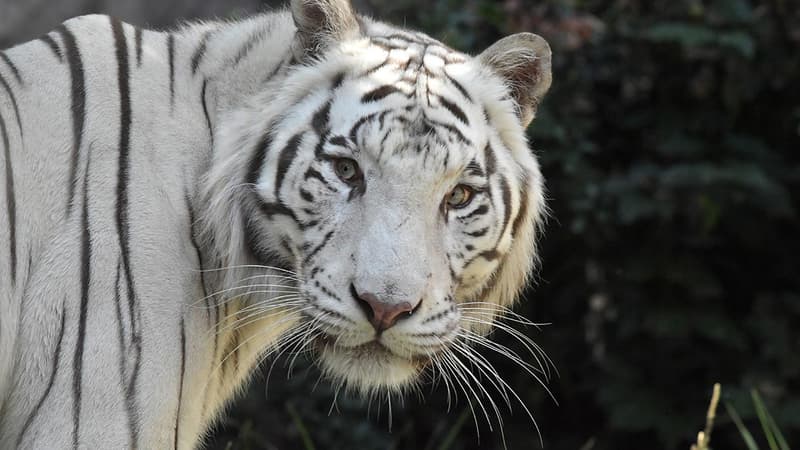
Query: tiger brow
(474, 168)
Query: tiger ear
(320, 23)
(523, 61)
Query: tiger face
(392, 177)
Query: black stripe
(180, 384)
(137, 38)
(488, 255)
(11, 202)
(121, 341)
(314, 173)
(53, 46)
(330, 294)
(205, 110)
(274, 71)
(13, 98)
(506, 193)
(451, 129)
(198, 54)
(479, 211)
(478, 233)
(339, 140)
(305, 195)
(248, 46)
(171, 53)
(277, 209)
(51, 381)
(318, 248)
(455, 110)
(379, 93)
(78, 99)
(375, 68)
(357, 126)
(193, 238)
(474, 169)
(285, 160)
(321, 119)
(337, 81)
(121, 328)
(122, 208)
(523, 208)
(491, 160)
(459, 86)
(236, 349)
(86, 271)
(13, 68)
(258, 157)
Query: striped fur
(173, 212)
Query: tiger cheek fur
(189, 203)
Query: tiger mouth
(373, 349)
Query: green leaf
(771, 430)
(748, 438)
(761, 411)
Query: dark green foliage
(671, 145)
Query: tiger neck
(232, 62)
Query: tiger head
(392, 177)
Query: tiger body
(146, 173)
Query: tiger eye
(459, 197)
(347, 170)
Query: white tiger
(178, 205)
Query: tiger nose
(382, 315)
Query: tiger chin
(180, 206)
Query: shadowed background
(671, 146)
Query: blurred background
(671, 146)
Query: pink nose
(382, 315)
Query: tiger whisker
(503, 314)
(492, 403)
(252, 266)
(268, 304)
(246, 341)
(304, 335)
(511, 390)
(335, 397)
(485, 367)
(258, 316)
(249, 286)
(298, 349)
(460, 380)
(440, 373)
(281, 300)
(535, 350)
(505, 351)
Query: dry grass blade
(704, 437)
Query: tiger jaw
(368, 367)
(391, 360)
